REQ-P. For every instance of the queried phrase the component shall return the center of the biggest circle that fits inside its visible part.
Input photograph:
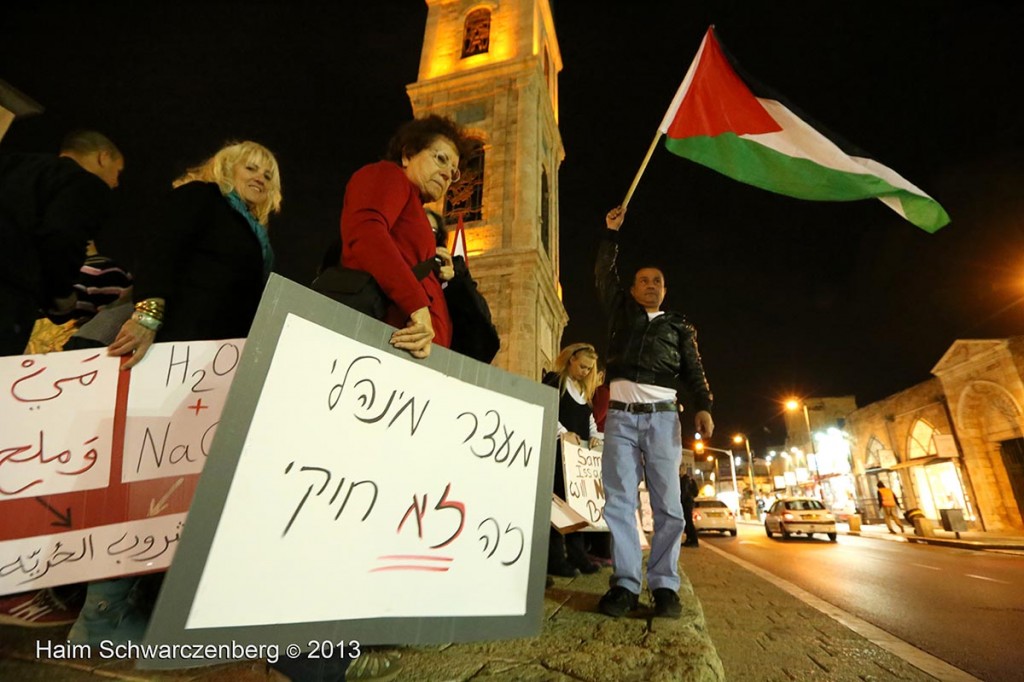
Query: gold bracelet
(151, 307)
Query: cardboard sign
(564, 518)
(354, 491)
(78, 500)
(583, 487)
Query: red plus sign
(198, 406)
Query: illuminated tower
(493, 68)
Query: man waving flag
(716, 120)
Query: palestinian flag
(718, 122)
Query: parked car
(800, 515)
(710, 513)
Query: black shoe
(666, 603)
(691, 543)
(548, 582)
(617, 602)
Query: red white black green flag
(716, 120)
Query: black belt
(643, 408)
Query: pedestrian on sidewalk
(650, 352)
(889, 505)
(575, 380)
(688, 493)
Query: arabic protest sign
(56, 423)
(380, 498)
(583, 488)
(67, 514)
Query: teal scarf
(257, 229)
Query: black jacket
(203, 258)
(662, 351)
(49, 207)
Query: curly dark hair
(416, 135)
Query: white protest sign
(174, 405)
(56, 422)
(101, 551)
(583, 488)
(384, 487)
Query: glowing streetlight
(793, 405)
(741, 438)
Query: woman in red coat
(385, 231)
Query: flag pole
(643, 167)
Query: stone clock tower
(492, 66)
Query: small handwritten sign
(177, 395)
(583, 488)
(56, 422)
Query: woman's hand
(133, 338)
(595, 442)
(448, 267)
(571, 437)
(417, 334)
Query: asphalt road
(965, 607)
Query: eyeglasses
(444, 162)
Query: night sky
(789, 297)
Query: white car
(800, 515)
(710, 513)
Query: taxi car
(710, 513)
(805, 515)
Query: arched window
(922, 440)
(476, 35)
(872, 457)
(466, 197)
(545, 211)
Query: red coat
(384, 231)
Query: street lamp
(717, 478)
(741, 438)
(700, 448)
(793, 405)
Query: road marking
(934, 568)
(991, 580)
(922, 660)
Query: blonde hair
(589, 383)
(220, 168)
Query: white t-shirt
(626, 391)
(577, 395)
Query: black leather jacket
(662, 351)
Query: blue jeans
(633, 444)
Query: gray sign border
(282, 296)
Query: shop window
(922, 440)
(476, 35)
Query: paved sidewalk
(736, 625)
(966, 540)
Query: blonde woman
(576, 380)
(208, 256)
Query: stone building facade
(493, 67)
(953, 442)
